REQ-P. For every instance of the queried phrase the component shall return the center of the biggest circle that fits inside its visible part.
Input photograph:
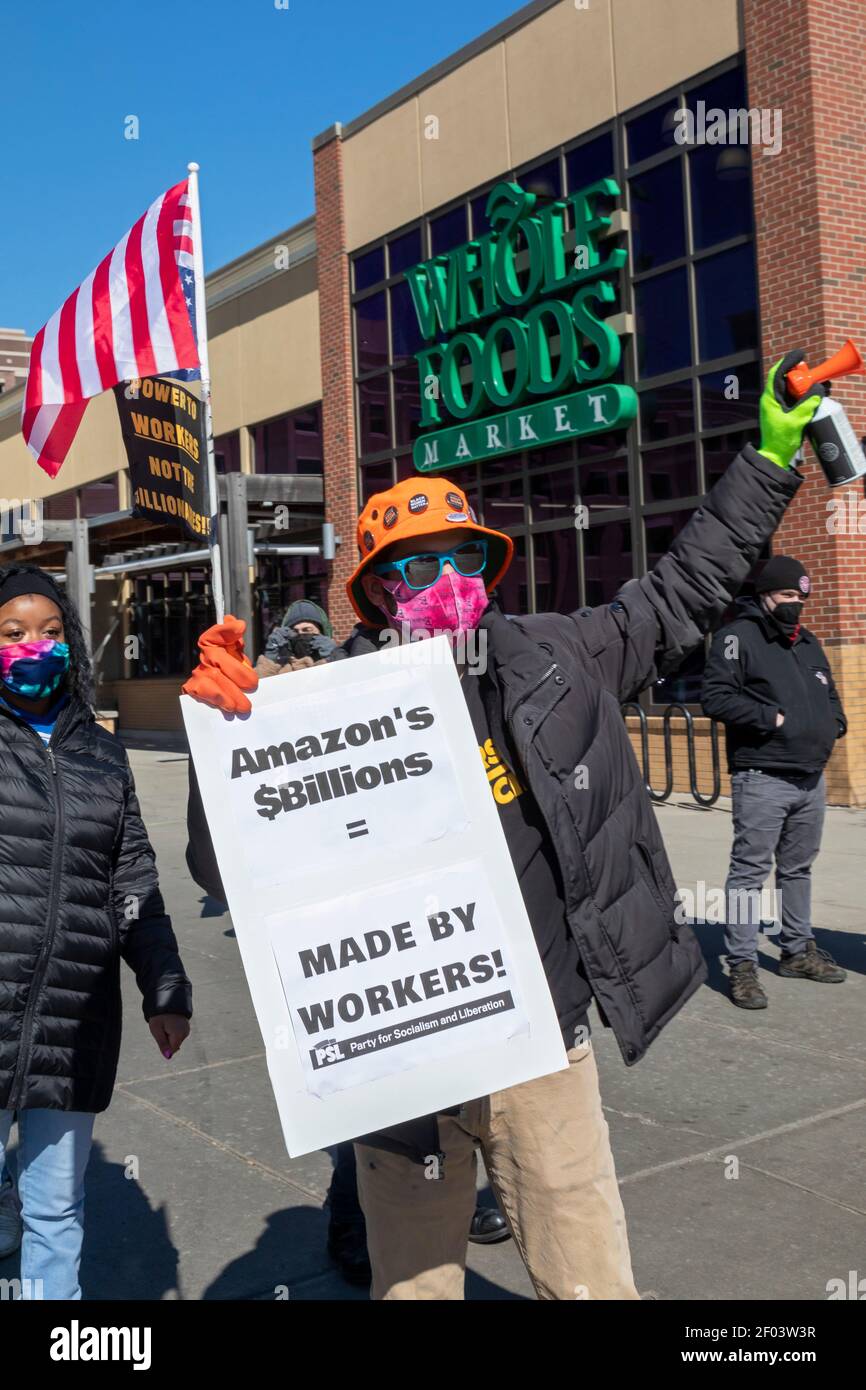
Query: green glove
(782, 425)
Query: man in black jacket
(585, 843)
(768, 681)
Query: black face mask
(786, 616)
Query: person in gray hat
(303, 638)
(768, 681)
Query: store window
(289, 444)
(227, 452)
(591, 514)
(281, 581)
(93, 499)
(167, 611)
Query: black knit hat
(783, 572)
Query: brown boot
(746, 989)
(812, 964)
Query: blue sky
(238, 85)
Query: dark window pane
(406, 336)
(653, 132)
(556, 588)
(721, 193)
(407, 405)
(98, 498)
(227, 453)
(369, 268)
(406, 468)
(448, 231)
(513, 587)
(670, 473)
(607, 560)
(661, 532)
(658, 225)
(290, 444)
(550, 456)
(375, 477)
(374, 411)
(726, 91)
(662, 312)
(371, 328)
(503, 504)
(480, 225)
(404, 251)
(551, 495)
(683, 686)
(544, 179)
(500, 467)
(61, 507)
(730, 396)
(271, 447)
(720, 450)
(589, 163)
(666, 412)
(727, 303)
(603, 483)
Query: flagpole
(201, 330)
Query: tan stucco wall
(559, 75)
(264, 358)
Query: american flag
(133, 316)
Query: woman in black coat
(78, 892)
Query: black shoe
(746, 989)
(488, 1226)
(812, 964)
(347, 1246)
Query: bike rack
(631, 706)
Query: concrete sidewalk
(191, 1195)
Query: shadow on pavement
(128, 1253)
(846, 948)
(212, 907)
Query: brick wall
(806, 59)
(338, 413)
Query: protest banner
(384, 937)
(163, 432)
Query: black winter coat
(78, 891)
(747, 682)
(563, 678)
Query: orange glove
(224, 672)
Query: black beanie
(783, 572)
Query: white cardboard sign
(385, 941)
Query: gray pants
(772, 816)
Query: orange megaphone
(802, 378)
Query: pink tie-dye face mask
(455, 603)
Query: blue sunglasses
(420, 571)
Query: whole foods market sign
(492, 311)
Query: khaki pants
(547, 1152)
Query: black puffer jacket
(562, 679)
(78, 891)
(747, 682)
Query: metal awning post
(78, 573)
(239, 590)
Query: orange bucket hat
(420, 506)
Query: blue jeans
(53, 1149)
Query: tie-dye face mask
(34, 669)
(455, 603)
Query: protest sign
(163, 431)
(381, 925)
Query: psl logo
(327, 1052)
